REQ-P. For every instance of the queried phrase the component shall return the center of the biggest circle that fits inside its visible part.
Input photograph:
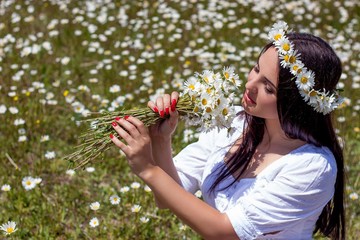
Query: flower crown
(322, 101)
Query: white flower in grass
(147, 189)
(94, 222)
(37, 180)
(95, 206)
(90, 169)
(70, 172)
(115, 199)
(135, 185)
(44, 138)
(115, 88)
(5, 188)
(9, 227)
(280, 25)
(144, 219)
(124, 189)
(3, 109)
(22, 138)
(305, 80)
(28, 183)
(208, 76)
(229, 75)
(13, 110)
(50, 155)
(136, 208)
(354, 196)
(19, 121)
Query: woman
(279, 176)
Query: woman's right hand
(165, 106)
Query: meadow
(61, 59)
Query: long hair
(300, 121)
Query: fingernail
(156, 110)
(173, 103)
(114, 124)
(162, 113)
(117, 118)
(167, 111)
(111, 135)
(126, 117)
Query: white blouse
(283, 201)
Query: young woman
(279, 176)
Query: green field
(60, 59)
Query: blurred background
(61, 59)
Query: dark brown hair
(301, 121)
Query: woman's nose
(251, 86)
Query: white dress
(282, 202)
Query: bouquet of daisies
(206, 102)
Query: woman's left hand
(136, 145)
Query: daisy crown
(321, 101)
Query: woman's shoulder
(311, 162)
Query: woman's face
(260, 90)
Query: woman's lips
(248, 99)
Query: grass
(59, 60)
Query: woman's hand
(165, 105)
(136, 145)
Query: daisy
(28, 183)
(94, 222)
(70, 172)
(276, 34)
(90, 169)
(22, 138)
(144, 219)
(9, 227)
(135, 185)
(13, 110)
(5, 188)
(305, 80)
(136, 208)
(37, 180)
(50, 155)
(114, 199)
(297, 68)
(44, 138)
(95, 206)
(284, 46)
(147, 188)
(3, 109)
(115, 88)
(354, 196)
(192, 86)
(124, 189)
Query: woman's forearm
(201, 217)
(162, 155)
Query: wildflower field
(61, 59)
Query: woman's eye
(269, 90)
(256, 68)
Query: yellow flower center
(203, 101)
(286, 58)
(226, 74)
(208, 110)
(28, 183)
(286, 46)
(277, 36)
(304, 80)
(225, 112)
(9, 230)
(292, 59)
(312, 93)
(295, 68)
(196, 109)
(206, 79)
(192, 86)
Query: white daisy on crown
(321, 101)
